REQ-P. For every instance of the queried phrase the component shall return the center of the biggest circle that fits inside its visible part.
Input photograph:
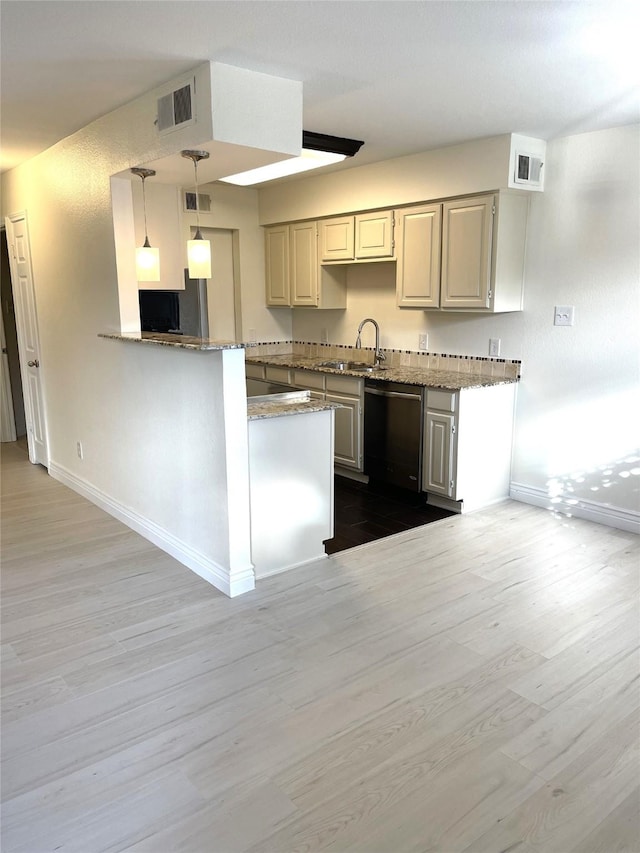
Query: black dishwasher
(393, 418)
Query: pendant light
(147, 258)
(198, 249)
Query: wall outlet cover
(423, 341)
(563, 315)
(494, 347)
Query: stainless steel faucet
(379, 355)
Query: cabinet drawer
(254, 371)
(308, 379)
(349, 385)
(443, 401)
(278, 374)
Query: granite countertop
(278, 405)
(179, 341)
(448, 380)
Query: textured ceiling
(403, 76)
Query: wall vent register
(175, 109)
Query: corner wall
(577, 415)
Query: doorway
(223, 288)
(11, 356)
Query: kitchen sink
(358, 366)
(363, 367)
(334, 365)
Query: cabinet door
(466, 252)
(438, 476)
(348, 431)
(277, 264)
(374, 235)
(303, 246)
(418, 254)
(336, 239)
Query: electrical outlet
(563, 315)
(324, 336)
(494, 347)
(79, 450)
(252, 335)
(423, 341)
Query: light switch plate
(423, 341)
(494, 347)
(563, 315)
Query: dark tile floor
(364, 513)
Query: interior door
(28, 338)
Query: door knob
(35, 363)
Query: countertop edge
(446, 380)
(175, 341)
(261, 411)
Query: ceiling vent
(204, 202)
(527, 170)
(176, 108)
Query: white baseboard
(612, 516)
(207, 569)
(269, 573)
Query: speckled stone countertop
(179, 341)
(448, 380)
(278, 405)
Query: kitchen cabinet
(467, 446)
(348, 392)
(363, 236)
(462, 255)
(418, 256)
(439, 454)
(483, 248)
(293, 275)
(277, 265)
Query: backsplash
(469, 364)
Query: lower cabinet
(348, 392)
(440, 445)
(467, 446)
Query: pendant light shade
(147, 258)
(198, 249)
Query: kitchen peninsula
(271, 492)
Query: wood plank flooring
(469, 686)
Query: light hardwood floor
(469, 686)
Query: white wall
(164, 431)
(575, 412)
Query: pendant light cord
(147, 245)
(195, 170)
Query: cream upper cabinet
(304, 263)
(374, 235)
(364, 236)
(467, 231)
(483, 246)
(277, 265)
(418, 256)
(293, 275)
(336, 239)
